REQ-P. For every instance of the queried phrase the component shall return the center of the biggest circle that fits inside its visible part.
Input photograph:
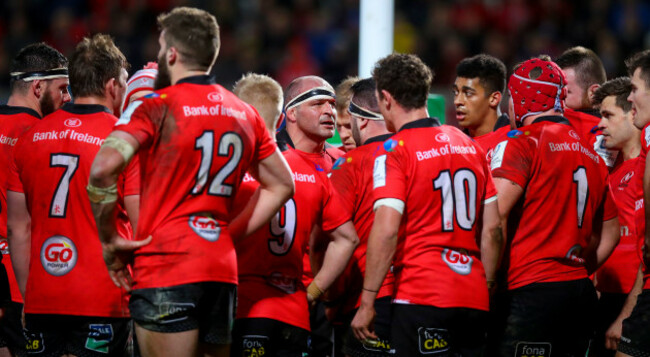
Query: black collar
(502, 121)
(10, 110)
(421, 123)
(200, 79)
(283, 138)
(84, 108)
(378, 138)
(592, 112)
(552, 119)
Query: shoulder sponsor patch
(646, 135)
(497, 155)
(379, 172)
(125, 118)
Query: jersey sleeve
(264, 146)
(490, 189)
(137, 120)
(132, 177)
(511, 160)
(388, 176)
(13, 177)
(610, 211)
(344, 182)
(333, 215)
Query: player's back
(196, 143)
(565, 186)
(67, 274)
(444, 181)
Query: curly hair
(405, 77)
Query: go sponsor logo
(458, 261)
(206, 227)
(58, 255)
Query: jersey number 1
(205, 143)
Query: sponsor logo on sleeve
(4, 246)
(254, 345)
(497, 155)
(99, 338)
(458, 261)
(206, 227)
(533, 349)
(125, 118)
(433, 340)
(58, 255)
(379, 172)
(72, 122)
(646, 134)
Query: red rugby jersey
(352, 178)
(270, 261)
(197, 141)
(67, 274)
(587, 127)
(618, 273)
(443, 178)
(490, 140)
(14, 121)
(640, 205)
(560, 201)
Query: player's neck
(24, 101)
(303, 142)
(406, 117)
(370, 133)
(631, 148)
(177, 74)
(486, 127)
(94, 101)
(530, 119)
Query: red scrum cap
(141, 80)
(535, 87)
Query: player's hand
(362, 324)
(118, 255)
(613, 335)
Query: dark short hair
(490, 71)
(640, 60)
(586, 63)
(619, 87)
(405, 77)
(363, 93)
(194, 33)
(94, 62)
(35, 57)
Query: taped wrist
(314, 291)
(102, 194)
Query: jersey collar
(421, 123)
(552, 119)
(200, 79)
(378, 138)
(283, 138)
(84, 108)
(10, 110)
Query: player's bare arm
(110, 161)
(492, 241)
(613, 334)
(276, 187)
(19, 235)
(338, 253)
(509, 194)
(604, 240)
(381, 249)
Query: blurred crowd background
(289, 38)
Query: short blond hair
(263, 93)
(344, 93)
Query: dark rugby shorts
(381, 347)
(206, 306)
(635, 339)
(11, 328)
(82, 336)
(418, 330)
(254, 337)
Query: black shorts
(354, 348)
(609, 307)
(11, 328)
(635, 340)
(267, 337)
(207, 306)
(322, 333)
(55, 335)
(418, 330)
(541, 317)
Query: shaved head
(302, 84)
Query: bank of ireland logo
(215, 97)
(458, 261)
(58, 255)
(574, 135)
(206, 227)
(442, 138)
(72, 122)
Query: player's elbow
(286, 188)
(103, 171)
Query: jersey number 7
(59, 203)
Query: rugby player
(343, 95)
